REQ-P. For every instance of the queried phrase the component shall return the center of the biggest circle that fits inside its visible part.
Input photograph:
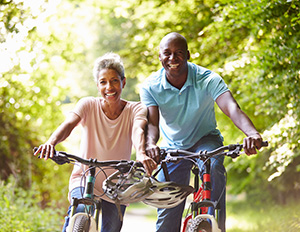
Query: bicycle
(197, 218)
(127, 185)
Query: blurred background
(47, 50)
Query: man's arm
(152, 135)
(59, 135)
(138, 132)
(230, 107)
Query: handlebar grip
(59, 157)
(264, 143)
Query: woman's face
(110, 85)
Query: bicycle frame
(89, 202)
(202, 200)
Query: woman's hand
(46, 151)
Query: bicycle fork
(88, 196)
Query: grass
(251, 217)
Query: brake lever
(59, 157)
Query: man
(180, 99)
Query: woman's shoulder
(90, 99)
(136, 106)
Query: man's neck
(177, 81)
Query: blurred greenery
(47, 50)
(21, 210)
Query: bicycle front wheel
(82, 224)
(199, 225)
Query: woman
(111, 126)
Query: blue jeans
(110, 217)
(170, 219)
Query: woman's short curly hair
(109, 61)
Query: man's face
(173, 56)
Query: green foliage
(253, 44)
(260, 40)
(36, 54)
(20, 210)
(47, 54)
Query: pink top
(103, 138)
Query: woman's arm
(59, 135)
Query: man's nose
(172, 56)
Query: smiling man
(180, 99)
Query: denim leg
(110, 217)
(170, 219)
(218, 179)
(77, 193)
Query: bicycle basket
(167, 194)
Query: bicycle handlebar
(232, 150)
(61, 157)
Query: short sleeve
(146, 97)
(82, 107)
(216, 86)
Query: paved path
(136, 220)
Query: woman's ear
(123, 82)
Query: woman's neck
(113, 110)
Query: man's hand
(153, 152)
(252, 143)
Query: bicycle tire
(82, 224)
(200, 225)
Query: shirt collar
(188, 82)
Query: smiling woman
(110, 127)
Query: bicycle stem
(88, 193)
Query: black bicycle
(128, 184)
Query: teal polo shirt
(186, 115)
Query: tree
(36, 53)
(254, 45)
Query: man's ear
(188, 55)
